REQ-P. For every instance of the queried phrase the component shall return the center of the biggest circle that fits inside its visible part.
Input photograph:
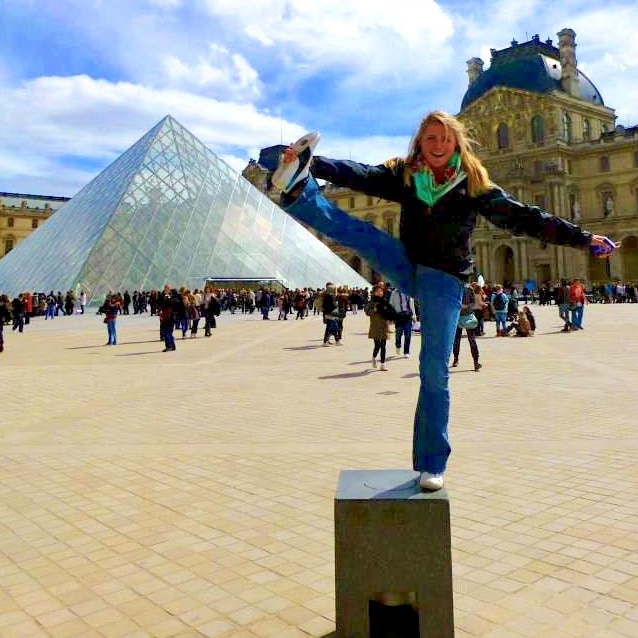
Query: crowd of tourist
(182, 310)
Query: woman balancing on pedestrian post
(442, 187)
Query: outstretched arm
(383, 180)
(521, 219)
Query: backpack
(499, 301)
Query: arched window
(567, 127)
(10, 222)
(538, 129)
(34, 223)
(604, 164)
(9, 242)
(604, 128)
(502, 136)
(586, 130)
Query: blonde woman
(442, 187)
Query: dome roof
(536, 69)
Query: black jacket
(440, 236)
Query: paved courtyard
(190, 494)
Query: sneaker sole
(288, 175)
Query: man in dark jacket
(17, 306)
(167, 318)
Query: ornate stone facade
(564, 154)
(21, 214)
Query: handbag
(468, 322)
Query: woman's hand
(289, 155)
(602, 246)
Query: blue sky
(82, 80)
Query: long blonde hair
(478, 179)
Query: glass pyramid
(168, 210)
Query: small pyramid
(168, 210)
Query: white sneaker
(339, 343)
(289, 174)
(398, 351)
(406, 356)
(374, 363)
(431, 482)
(383, 367)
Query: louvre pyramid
(168, 210)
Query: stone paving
(187, 494)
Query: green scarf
(428, 191)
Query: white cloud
(372, 37)
(228, 74)
(97, 120)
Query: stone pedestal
(392, 544)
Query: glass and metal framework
(168, 210)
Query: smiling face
(438, 144)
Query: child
(378, 310)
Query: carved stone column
(485, 261)
(524, 273)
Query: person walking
(17, 311)
(111, 311)
(467, 306)
(378, 309)
(578, 299)
(442, 188)
(405, 316)
(169, 302)
(330, 312)
(499, 303)
(563, 299)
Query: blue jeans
(332, 329)
(18, 322)
(167, 333)
(577, 316)
(112, 332)
(403, 329)
(500, 316)
(439, 295)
